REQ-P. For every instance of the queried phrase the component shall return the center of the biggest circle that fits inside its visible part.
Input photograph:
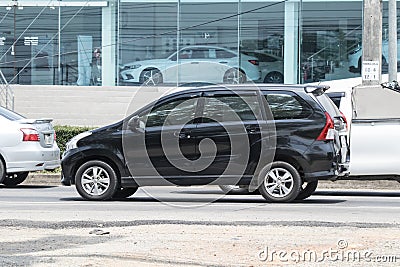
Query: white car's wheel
(234, 76)
(274, 77)
(151, 77)
(96, 180)
(281, 182)
(14, 179)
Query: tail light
(254, 62)
(55, 136)
(328, 132)
(30, 135)
(344, 119)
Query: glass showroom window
(331, 35)
(262, 36)
(147, 41)
(81, 46)
(28, 49)
(209, 44)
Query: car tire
(96, 180)
(307, 189)
(234, 76)
(273, 77)
(15, 179)
(124, 192)
(234, 189)
(2, 171)
(277, 177)
(151, 77)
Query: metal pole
(371, 65)
(392, 40)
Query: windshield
(10, 115)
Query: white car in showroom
(355, 57)
(209, 64)
(271, 66)
(25, 145)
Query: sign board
(370, 71)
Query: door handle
(252, 129)
(194, 62)
(223, 62)
(182, 135)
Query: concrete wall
(82, 106)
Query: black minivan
(277, 139)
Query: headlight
(73, 143)
(132, 67)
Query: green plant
(65, 133)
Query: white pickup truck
(373, 114)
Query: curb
(55, 180)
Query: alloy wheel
(279, 182)
(95, 181)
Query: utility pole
(371, 65)
(392, 41)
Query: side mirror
(133, 123)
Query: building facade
(169, 42)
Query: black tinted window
(226, 108)
(285, 106)
(176, 112)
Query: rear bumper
(32, 158)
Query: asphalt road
(45, 226)
(198, 205)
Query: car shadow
(357, 193)
(23, 186)
(149, 199)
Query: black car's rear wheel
(96, 180)
(14, 179)
(307, 189)
(281, 182)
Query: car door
(162, 145)
(227, 135)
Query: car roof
(299, 88)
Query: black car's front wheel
(96, 180)
(280, 182)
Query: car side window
(224, 54)
(285, 106)
(176, 112)
(230, 108)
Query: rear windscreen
(10, 115)
(329, 106)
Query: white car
(271, 66)
(25, 145)
(195, 64)
(355, 56)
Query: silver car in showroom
(26, 145)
